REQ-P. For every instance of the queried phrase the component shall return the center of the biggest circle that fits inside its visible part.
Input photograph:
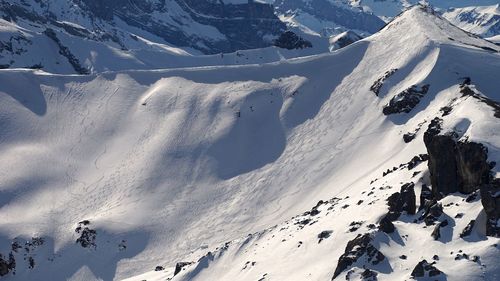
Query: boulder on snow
(357, 248)
(425, 269)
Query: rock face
(405, 101)
(456, 166)
(289, 40)
(357, 248)
(490, 198)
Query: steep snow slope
(166, 165)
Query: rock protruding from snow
(405, 101)
(289, 40)
(456, 166)
(359, 247)
(425, 269)
(490, 198)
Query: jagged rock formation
(359, 247)
(405, 101)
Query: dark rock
(377, 85)
(473, 166)
(404, 200)
(405, 101)
(369, 275)
(355, 249)
(446, 110)
(324, 234)
(468, 229)
(432, 211)
(403, 257)
(159, 268)
(471, 198)
(435, 257)
(456, 166)
(386, 225)
(490, 198)
(4, 267)
(179, 266)
(408, 137)
(289, 40)
(425, 196)
(88, 236)
(417, 160)
(436, 234)
(424, 267)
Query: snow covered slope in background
(149, 168)
(90, 36)
(482, 20)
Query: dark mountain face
(209, 26)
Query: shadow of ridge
(65, 263)
(24, 87)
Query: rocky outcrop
(403, 201)
(386, 225)
(425, 196)
(455, 166)
(87, 237)
(289, 40)
(405, 101)
(468, 229)
(359, 247)
(377, 85)
(179, 266)
(425, 269)
(490, 198)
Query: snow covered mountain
(302, 169)
(484, 21)
(89, 36)
(480, 17)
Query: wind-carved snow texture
(199, 173)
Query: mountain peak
(422, 21)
